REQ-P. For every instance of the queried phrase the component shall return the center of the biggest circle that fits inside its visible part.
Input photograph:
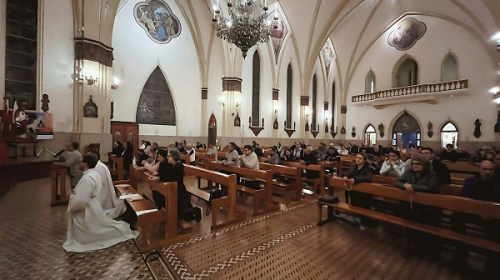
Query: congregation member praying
(288, 156)
(435, 165)
(232, 156)
(89, 228)
(297, 151)
(212, 150)
(360, 172)
(393, 166)
(142, 156)
(332, 155)
(191, 152)
(71, 160)
(310, 156)
(250, 160)
(419, 177)
(273, 157)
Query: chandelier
(247, 25)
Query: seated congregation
(436, 203)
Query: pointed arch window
(255, 89)
(449, 135)
(370, 135)
(289, 96)
(407, 74)
(370, 82)
(449, 69)
(314, 103)
(156, 105)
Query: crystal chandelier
(247, 25)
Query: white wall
(136, 56)
(57, 61)
(473, 64)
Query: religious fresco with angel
(157, 19)
(406, 34)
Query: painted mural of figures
(328, 56)
(157, 19)
(406, 34)
(278, 34)
(146, 19)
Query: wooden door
(126, 131)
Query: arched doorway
(406, 132)
(370, 135)
(407, 74)
(449, 135)
(212, 130)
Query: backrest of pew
(186, 159)
(384, 180)
(448, 202)
(452, 189)
(294, 172)
(118, 169)
(223, 179)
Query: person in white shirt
(393, 166)
(343, 151)
(297, 152)
(250, 160)
(192, 155)
(211, 149)
(111, 204)
(89, 228)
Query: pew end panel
(115, 166)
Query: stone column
(204, 116)
(343, 112)
(305, 125)
(231, 91)
(276, 110)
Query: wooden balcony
(417, 93)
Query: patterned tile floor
(31, 238)
(284, 245)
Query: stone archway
(406, 132)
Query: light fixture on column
(496, 37)
(307, 111)
(115, 84)
(222, 101)
(496, 94)
(82, 75)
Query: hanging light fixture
(247, 25)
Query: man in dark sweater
(310, 157)
(449, 154)
(483, 187)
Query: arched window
(289, 96)
(370, 135)
(314, 101)
(333, 103)
(449, 69)
(406, 132)
(156, 105)
(256, 90)
(407, 74)
(449, 135)
(370, 82)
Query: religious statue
(45, 102)
(381, 130)
(353, 133)
(430, 133)
(20, 117)
(477, 130)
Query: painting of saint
(278, 33)
(406, 34)
(157, 19)
(328, 56)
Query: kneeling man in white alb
(89, 228)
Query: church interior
(249, 139)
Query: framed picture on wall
(90, 109)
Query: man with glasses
(436, 166)
(250, 160)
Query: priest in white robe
(89, 228)
(111, 204)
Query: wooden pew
(293, 189)
(457, 181)
(462, 167)
(148, 214)
(451, 189)
(58, 182)
(235, 214)
(320, 168)
(115, 167)
(445, 202)
(265, 194)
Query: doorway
(406, 132)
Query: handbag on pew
(347, 192)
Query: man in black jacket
(310, 157)
(436, 166)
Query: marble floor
(280, 245)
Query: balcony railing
(412, 90)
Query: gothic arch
(398, 64)
(369, 134)
(449, 134)
(370, 82)
(156, 103)
(449, 68)
(416, 127)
